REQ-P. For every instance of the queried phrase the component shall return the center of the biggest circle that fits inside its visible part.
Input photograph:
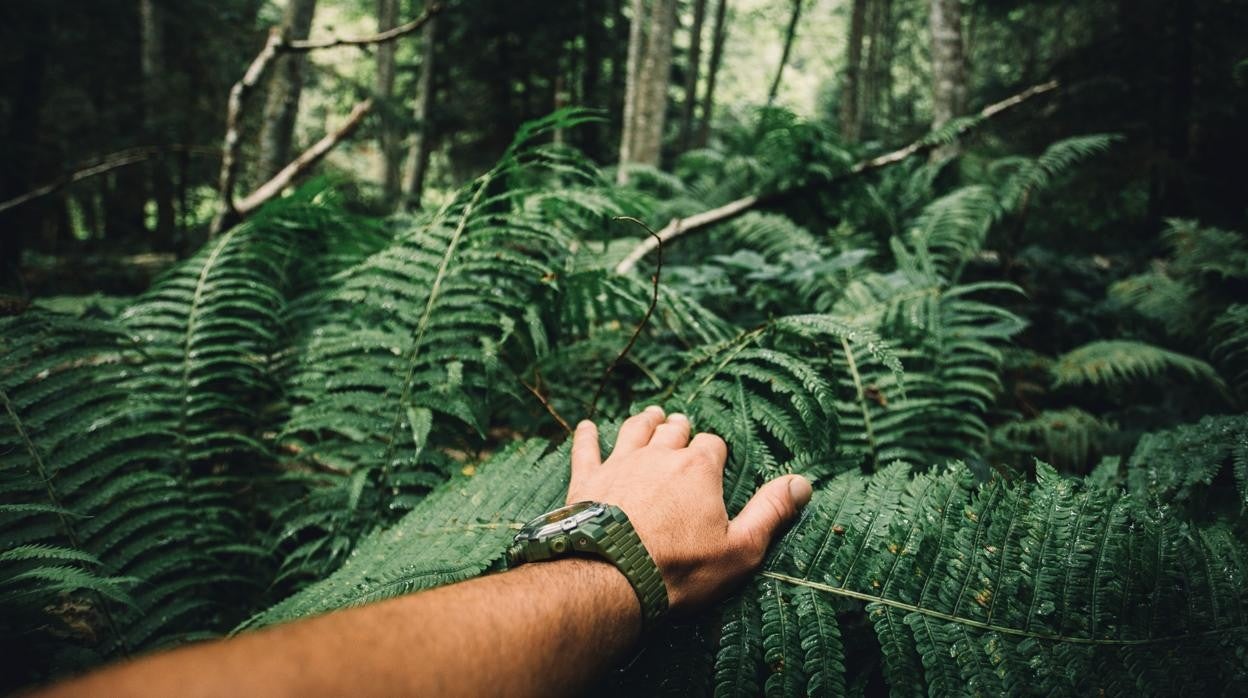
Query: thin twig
(99, 166)
(379, 38)
(549, 407)
(681, 226)
(654, 301)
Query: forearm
(542, 629)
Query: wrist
(605, 588)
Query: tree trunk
(691, 74)
(948, 67)
(784, 55)
(712, 70)
(422, 142)
(850, 119)
(879, 65)
(636, 39)
(282, 106)
(388, 136)
(655, 78)
(151, 65)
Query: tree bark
(948, 67)
(282, 106)
(789, 35)
(655, 78)
(691, 74)
(151, 65)
(712, 70)
(636, 39)
(388, 133)
(850, 119)
(418, 155)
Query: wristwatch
(600, 530)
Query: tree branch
(680, 226)
(381, 37)
(304, 162)
(227, 179)
(107, 163)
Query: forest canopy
(299, 299)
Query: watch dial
(554, 521)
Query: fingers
(712, 447)
(637, 430)
(768, 511)
(585, 453)
(673, 434)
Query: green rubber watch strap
(622, 547)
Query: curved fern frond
(95, 528)
(1031, 175)
(1229, 335)
(1069, 439)
(1179, 465)
(1117, 363)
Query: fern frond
(1068, 438)
(1117, 363)
(1179, 465)
(1229, 337)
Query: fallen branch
(681, 226)
(227, 179)
(107, 163)
(304, 162)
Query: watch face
(564, 519)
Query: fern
(1179, 466)
(94, 560)
(1118, 363)
(1068, 438)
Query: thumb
(774, 505)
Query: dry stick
(549, 407)
(276, 43)
(304, 162)
(654, 301)
(108, 163)
(680, 226)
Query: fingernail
(800, 490)
(584, 423)
(654, 408)
(677, 416)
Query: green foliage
(321, 411)
(1179, 466)
(1118, 363)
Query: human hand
(672, 489)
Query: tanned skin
(541, 629)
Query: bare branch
(550, 409)
(680, 226)
(381, 37)
(107, 163)
(233, 117)
(304, 162)
(275, 44)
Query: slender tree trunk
(151, 64)
(879, 30)
(632, 89)
(691, 75)
(718, 39)
(422, 142)
(948, 67)
(655, 78)
(282, 106)
(784, 55)
(850, 88)
(388, 137)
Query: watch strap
(620, 545)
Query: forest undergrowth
(1030, 466)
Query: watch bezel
(560, 520)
